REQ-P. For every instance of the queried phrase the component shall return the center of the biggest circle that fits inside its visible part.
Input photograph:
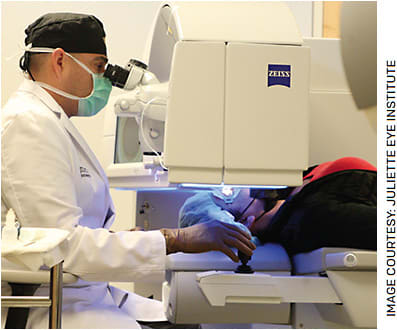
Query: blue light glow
(147, 188)
(200, 186)
(210, 186)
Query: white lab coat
(51, 178)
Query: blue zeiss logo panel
(279, 74)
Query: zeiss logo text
(279, 74)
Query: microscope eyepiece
(120, 77)
(117, 75)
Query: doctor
(51, 178)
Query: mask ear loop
(88, 70)
(81, 63)
(24, 61)
(31, 49)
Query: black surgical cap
(74, 33)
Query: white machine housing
(237, 105)
(337, 129)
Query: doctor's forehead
(96, 62)
(101, 58)
(96, 58)
(91, 58)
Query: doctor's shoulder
(26, 110)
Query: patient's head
(242, 205)
(248, 210)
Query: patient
(334, 207)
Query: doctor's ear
(58, 58)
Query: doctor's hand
(136, 229)
(209, 236)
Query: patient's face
(252, 213)
(239, 206)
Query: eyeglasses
(239, 217)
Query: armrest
(38, 277)
(355, 259)
(331, 258)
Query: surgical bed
(325, 288)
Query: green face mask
(97, 100)
(91, 104)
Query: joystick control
(243, 267)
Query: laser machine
(225, 100)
